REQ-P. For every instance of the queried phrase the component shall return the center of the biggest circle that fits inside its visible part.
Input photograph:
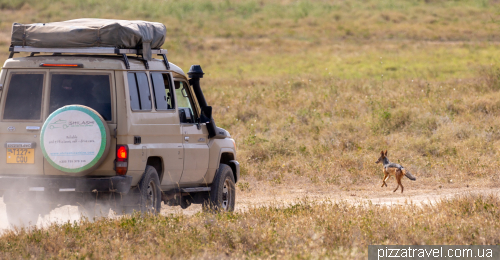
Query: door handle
(186, 138)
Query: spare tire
(75, 139)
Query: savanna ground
(312, 91)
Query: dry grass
(328, 131)
(304, 230)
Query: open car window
(162, 91)
(185, 103)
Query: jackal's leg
(386, 179)
(396, 177)
(399, 175)
(399, 181)
(386, 176)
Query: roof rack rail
(91, 50)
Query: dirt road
(281, 197)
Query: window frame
(5, 93)
(195, 105)
(82, 72)
(129, 96)
(148, 77)
(172, 90)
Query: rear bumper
(120, 184)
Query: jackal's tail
(409, 175)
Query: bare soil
(283, 196)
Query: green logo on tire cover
(73, 139)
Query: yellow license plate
(20, 155)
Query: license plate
(20, 155)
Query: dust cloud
(68, 213)
(58, 215)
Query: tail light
(121, 162)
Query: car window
(89, 90)
(134, 93)
(184, 102)
(162, 91)
(140, 96)
(144, 94)
(24, 97)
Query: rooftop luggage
(90, 32)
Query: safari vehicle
(107, 127)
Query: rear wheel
(150, 193)
(223, 193)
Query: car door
(168, 145)
(21, 120)
(155, 126)
(195, 136)
(89, 88)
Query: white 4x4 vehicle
(88, 124)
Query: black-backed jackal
(393, 169)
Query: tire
(88, 144)
(21, 215)
(223, 192)
(149, 192)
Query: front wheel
(223, 192)
(150, 193)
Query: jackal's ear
(385, 152)
(382, 153)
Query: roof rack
(92, 50)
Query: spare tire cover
(75, 139)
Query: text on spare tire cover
(73, 139)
